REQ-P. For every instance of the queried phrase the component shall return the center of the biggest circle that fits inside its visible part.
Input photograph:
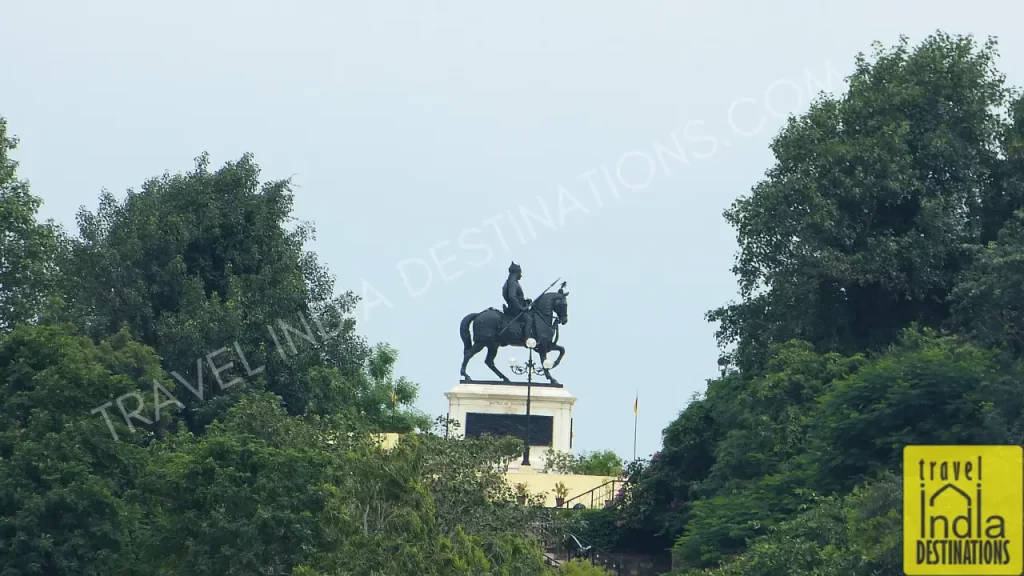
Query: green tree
(387, 400)
(727, 471)
(65, 482)
(988, 295)
(208, 268)
(264, 492)
(248, 496)
(466, 479)
(599, 463)
(596, 463)
(279, 475)
(864, 223)
(655, 505)
(927, 389)
(27, 247)
(859, 535)
(825, 423)
(889, 215)
(579, 567)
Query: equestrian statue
(519, 320)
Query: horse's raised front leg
(492, 352)
(547, 373)
(467, 354)
(561, 353)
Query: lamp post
(529, 369)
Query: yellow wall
(577, 484)
(388, 441)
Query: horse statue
(491, 329)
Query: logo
(963, 510)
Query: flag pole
(636, 414)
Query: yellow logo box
(963, 510)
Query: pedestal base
(499, 408)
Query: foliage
(597, 463)
(276, 475)
(387, 400)
(561, 490)
(246, 497)
(578, 567)
(863, 225)
(927, 389)
(258, 492)
(879, 275)
(599, 527)
(858, 535)
(559, 462)
(466, 481)
(298, 492)
(63, 476)
(207, 269)
(988, 295)
(27, 247)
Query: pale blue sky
(407, 125)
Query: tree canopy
(879, 278)
(596, 463)
(182, 392)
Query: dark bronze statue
(521, 319)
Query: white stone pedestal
(510, 398)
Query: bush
(581, 568)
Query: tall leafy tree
(258, 491)
(928, 389)
(64, 478)
(861, 225)
(858, 535)
(596, 463)
(278, 474)
(989, 296)
(892, 214)
(27, 247)
(209, 268)
(264, 492)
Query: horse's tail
(467, 340)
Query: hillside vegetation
(880, 268)
(181, 394)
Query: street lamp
(529, 369)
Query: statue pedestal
(499, 408)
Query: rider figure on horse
(516, 302)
